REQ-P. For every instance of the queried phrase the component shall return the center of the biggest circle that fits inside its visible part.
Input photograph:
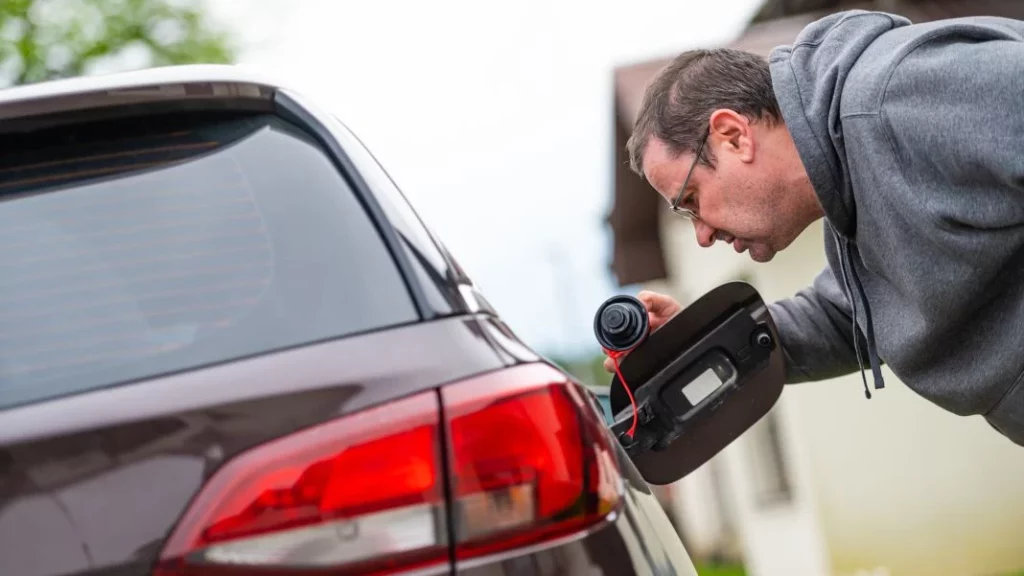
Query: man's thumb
(655, 303)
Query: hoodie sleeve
(816, 332)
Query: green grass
(720, 570)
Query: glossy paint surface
(92, 484)
(96, 481)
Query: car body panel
(78, 473)
(90, 483)
(637, 539)
(137, 80)
(614, 549)
(162, 84)
(604, 398)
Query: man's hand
(660, 309)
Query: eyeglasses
(676, 208)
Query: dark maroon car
(229, 346)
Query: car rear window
(147, 246)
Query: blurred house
(829, 483)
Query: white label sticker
(702, 386)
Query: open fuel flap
(699, 381)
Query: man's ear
(732, 133)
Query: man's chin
(761, 253)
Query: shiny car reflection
(231, 346)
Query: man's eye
(690, 201)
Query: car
(603, 396)
(231, 346)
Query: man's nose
(705, 234)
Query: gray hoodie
(913, 138)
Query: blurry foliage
(49, 39)
(720, 570)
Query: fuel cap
(621, 323)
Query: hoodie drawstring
(847, 269)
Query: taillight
(528, 460)
(359, 495)
(528, 457)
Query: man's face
(740, 201)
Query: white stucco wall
(783, 539)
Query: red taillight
(529, 460)
(360, 495)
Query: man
(909, 141)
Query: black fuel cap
(621, 323)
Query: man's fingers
(609, 365)
(656, 321)
(659, 307)
(655, 303)
(651, 300)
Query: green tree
(49, 39)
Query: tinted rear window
(135, 249)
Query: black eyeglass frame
(676, 208)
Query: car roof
(165, 83)
(150, 77)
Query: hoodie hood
(808, 78)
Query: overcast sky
(494, 118)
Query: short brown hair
(678, 103)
